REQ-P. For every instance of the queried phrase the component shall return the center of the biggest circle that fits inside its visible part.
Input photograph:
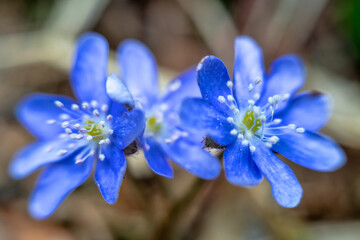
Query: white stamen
(271, 100)
(89, 138)
(252, 148)
(83, 130)
(94, 103)
(251, 87)
(233, 132)
(256, 96)
(102, 142)
(263, 118)
(251, 102)
(62, 152)
(300, 130)
(230, 119)
(102, 123)
(240, 136)
(109, 117)
(273, 139)
(276, 98)
(230, 98)
(85, 105)
(269, 145)
(229, 84)
(221, 99)
(110, 131)
(96, 113)
(101, 157)
(107, 140)
(258, 80)
(75, 107)
(256, 111)
(68, 130)
(77, 126)
(245, 142)
(104, 108)
(277, 121)
(292, 126)
(64, 116)
(59, 104)
(65, 124)
(51, 121)
(285, 97)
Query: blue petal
(202, 118)
(117, 91)
(286, 188)
(109, 173)
(310, 110)
(138, 71)
(213, 77)
(183, 86)
(38, 154)
(34, 111)
(156, 158)
(239, 167)
(287, 75)
(248, 67)
(311, 150)
(127, 126)
(193, 158)
(89, 69)
(55, 183)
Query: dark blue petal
(183, 86)
(127, 126)
(311, 150)
(55, 183)
(239, 167)
(117, 91)
(287, 75)
(213, 77)
(310, 110)
(286, 188)
(89, 69)
(138, 71)
(193, 158)
(38, 154)
(109, 173)
(248, 67)
(202, 118)
(34, 111)
(156, 158)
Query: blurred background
(37, 39)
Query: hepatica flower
(258, 114)
(75, 135)
(163, 138)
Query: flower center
(252, 124)
(153, 125)
(95, 130)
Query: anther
(65, 124)
(110, 131)
(251, 102)
(107, 140)
(109, 117)
(77, 126)
(102, 123)
(276, 98)
(277, 121)
(245, 142)
(102, 142)
(75, 107)
(263, 118)
(240, 136)
(258, 80)
(230, 120)
(221, 99)
(85, 105)
(101, 157)
(271, 100)
(104, 108)
(229, 84)
(292, 126)
(256, 96)
(269, 145)
(89, 138)
(83, 130)
(51, 121)
(252, 148)
(300, 130)
(230, 98)
(251, 87)
(94, 103)
(273, 139)
(96, 113)
(233, 132)
(68, 130)
(62, 152)
(285, 97)
(59, 104)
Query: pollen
(95, 130)
(251, 123)
(153, 125)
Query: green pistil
(152, 125)
(250, 123)
(97, 130)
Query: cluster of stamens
(255, 121)
(88, 122)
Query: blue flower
(72, 135)
(163, 138)
(258, 113)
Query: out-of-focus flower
(258, 112)
(163, 138)
(72, 136)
